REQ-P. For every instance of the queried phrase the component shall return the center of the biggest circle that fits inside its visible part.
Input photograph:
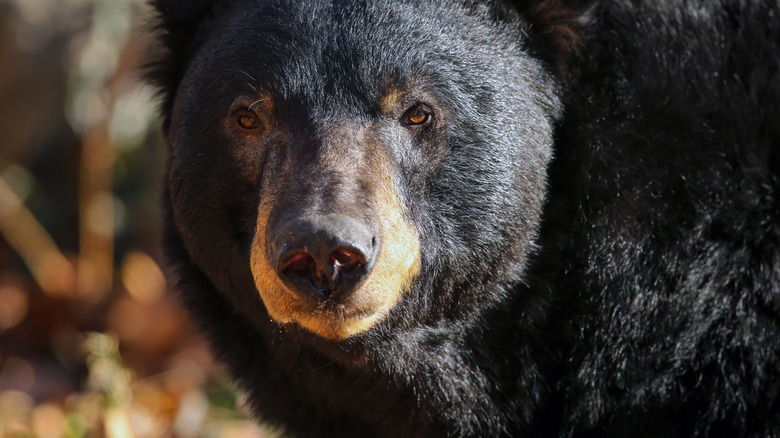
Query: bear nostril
(299, 262)
(346, 260)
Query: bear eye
(247, 120)
(418, 115)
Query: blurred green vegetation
(91, 342)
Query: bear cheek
(397, 265)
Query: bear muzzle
(332, 274)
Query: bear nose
(325, 254)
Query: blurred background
(91, 342)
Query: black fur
(672, 246)
(644, 302)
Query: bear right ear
(179, 24)
(556, 27)
(180, 19)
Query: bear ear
(556, 28)
(180, 19)
(179, 24)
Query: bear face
(297, 123)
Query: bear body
(481, 218)
(675, 170)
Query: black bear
(481, 218)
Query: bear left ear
(180, 19)
(179, 23)
(556, 28)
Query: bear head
(347, 167)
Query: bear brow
(390, 99)
(262, 99)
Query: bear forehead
(299, 44)
(366, 22)
(351, 57)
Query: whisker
(250, 77)
(247, 75)
(256, 102)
